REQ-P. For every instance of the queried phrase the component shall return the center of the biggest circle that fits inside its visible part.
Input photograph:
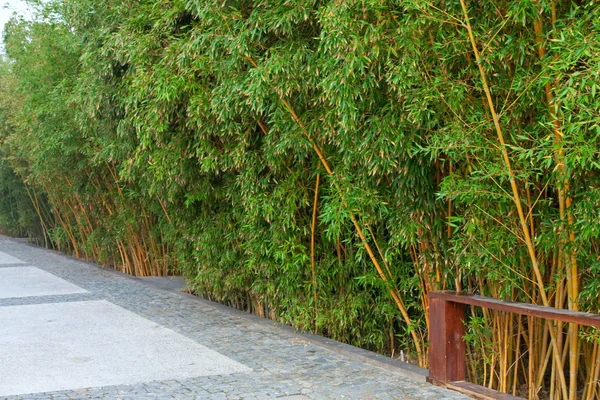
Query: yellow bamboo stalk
(545, 352)
(515, 379)
(63, 223)
(589, 366)
(393, 291)
(494, 355)
(559, 298)
(312, 249)
(513, 184)
(593, 382)
(164, 208)
(504, 353)
(154, 251)
(531, 392)
(564, 209)
(38, 211)
(82, 230)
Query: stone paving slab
(31, 281)
(8, 259)
(76, 345)
(282, 364)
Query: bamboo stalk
(517, 355)
(65, 226)
(84, 233)
(565, 203)
(449, 214)
(393, 291)
(312, 249)
(495, 352)
(589, 367)
(545, 351)
(594, 378)
(559, 296)
(513, 184)
(512, 360)
(531, 362)
(164, 208)
(38, 211)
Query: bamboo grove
(325, 163)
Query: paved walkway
(72, 330)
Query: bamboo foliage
(326, 163)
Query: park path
(72, 330)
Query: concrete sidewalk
(72, 330)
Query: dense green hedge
(436, 145)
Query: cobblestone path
(259, 359)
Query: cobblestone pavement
(283, 364)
